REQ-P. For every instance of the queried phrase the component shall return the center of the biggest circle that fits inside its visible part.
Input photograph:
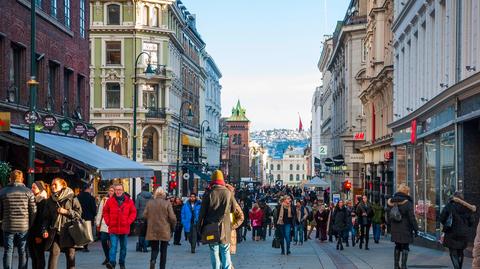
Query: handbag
(211, 233)
(276, 243)
(81, 232)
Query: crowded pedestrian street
(260, 255)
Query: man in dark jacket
(89, 207)
(365, 215)
(17, 213)
(140, 203)
(402, 230)
(216, 207)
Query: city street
(260, 255)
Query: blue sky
(267, 51)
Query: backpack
(395, 214)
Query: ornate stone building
(377, 101)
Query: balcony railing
(156, 112)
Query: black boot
(346, 242)
(341, 245)
(353, 241)
(361, 243)
(404, 259)
(366, 245)
(152, 264)
(455, 260)
(396, 262)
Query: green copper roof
(238, 113)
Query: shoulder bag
(211, 233)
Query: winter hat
(40, 185)
(217, 178)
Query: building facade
(316, 130)
(436, 105)
(291, 169)
(347, 68)
(377, 101)
(213, 112)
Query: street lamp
(202, 130)
(180, 124)
(149, 72)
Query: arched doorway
(150, 144)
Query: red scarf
(217, 182)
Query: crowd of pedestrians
(38, 220)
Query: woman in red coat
(256, 216)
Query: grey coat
(17, 208)
(141, 202)
(214, 210)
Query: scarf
(59, 197)
(282, 209)
(217, 182)
(41, 196)
(120, 199)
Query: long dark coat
(457, 237)
(403, 231)
(50, 214)
(340, 220)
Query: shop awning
(199, 173)
(108, 164)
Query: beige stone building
(377, 100)
(291, 169)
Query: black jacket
(363, 208)
(403, 231)
(89, 207)
(457, 237)
(17, 208)
(36, 229)
(340, 219)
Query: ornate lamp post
(180, 124)
(149, 72)
(202, 131)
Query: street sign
(65, 126)
(336, 198)
(79, 128)
(323, 150)
(49, 122)
(31, 117)
(4, 121)
(91, 132)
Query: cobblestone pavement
(260, 255)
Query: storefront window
(400, 174)
(447, 166)
(430, 186)
(419, 188)
(113, 139)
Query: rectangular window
(155, 16)
(38, 3)
(67, 13)
(78, 97)
(419, 190)
(67, 76)
(150, 96)
(113, 52)
(82, 18)
(113, 95)
(53, 8)
(431, 201)
(113, 17)
(52, 85)
(145, 15)
(16, 74)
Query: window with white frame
(113, 14)
(112, 93)
(113, 52)
(82, 18)
(156, 14)
(145, 15)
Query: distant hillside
(278, 140)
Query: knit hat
(217, 178)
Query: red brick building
(63, 58)
(236, 155)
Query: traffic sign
(4, 121)
(336, 198)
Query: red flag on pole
(300, 125)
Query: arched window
(113, 14)
(271, 166)
(278, 177)
(298, 167)
(155, 16)
(303, 166)
(278, 167)
(291, 166)
(150, 144)
(291, 177)
(145, 15)
(298, 177)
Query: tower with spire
(235, 154)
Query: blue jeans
(299, 230)
(286, 237)
(8, 240)
(114, 240)
(220, 256)
(376, 232)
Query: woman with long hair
(256, 216)
(60, 210)
(36, 243)
(102, 226)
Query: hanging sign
(65, 126)
(4, 121)
(49, 122)
(31, 117)
(359, 136)
(79, 128)
(91, 133)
